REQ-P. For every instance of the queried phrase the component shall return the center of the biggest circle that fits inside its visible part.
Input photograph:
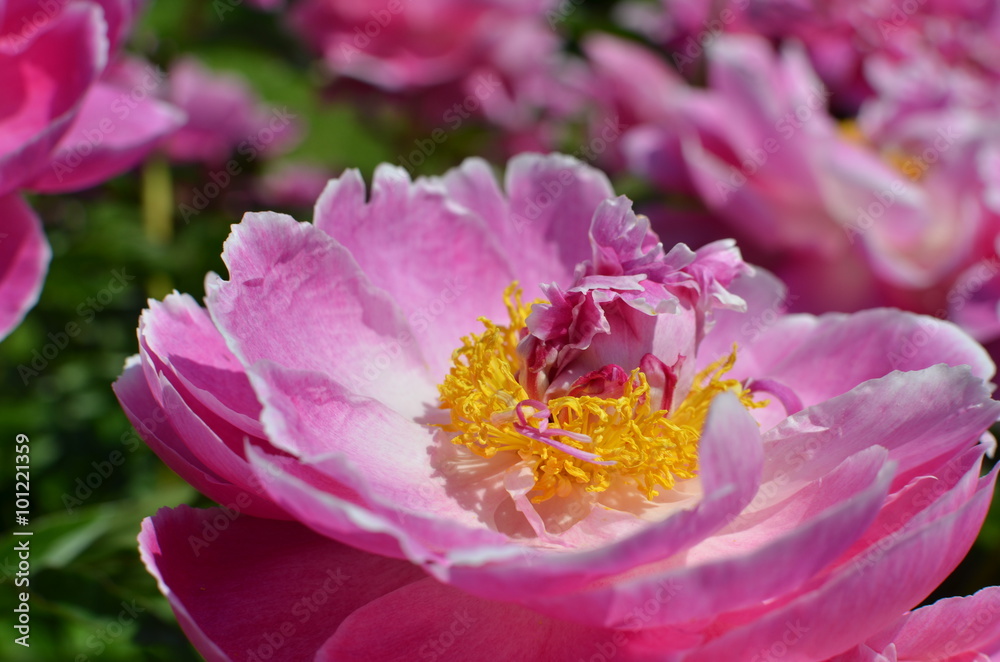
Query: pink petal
(850, 349)
(755, 565)
(859, 602)
(954, 408)
(297, 297)
(382, 456)
(243, 587)
(427, 620)
(152, 421)
(115, 129)
(44, 85)
(439, 262)
(183, 343)
(542, 224)
(330, 497)
(947, 628)
(24, 259)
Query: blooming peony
(454, 421)
(67, 122)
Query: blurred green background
(85, 567)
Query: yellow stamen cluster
(651, 447)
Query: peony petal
(24, 259)
(864, 599)
(947, 629)
(112, 132)
(44, 85)
(954, 409)
(386, 458)
(847, 350)
(296, 297)
(552, 202)
(542, 223)
(244, 588)
(439, 262)
(152, 421)
(182, 342)
(433, 621)
(754, 566)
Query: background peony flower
(837, 476)
(65, 123)
(447, 61)
(224, 114)
(892, 209)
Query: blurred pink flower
(839, 38)
(293, 184)
(448, 60)
(65, 123)
(224, 116)
(653, 463)
(890, 209)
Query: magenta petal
(24, 259)
(429, 621)
(43, 86)
(440, 263)
(297, 297)
(111, 134)
(243, 587)
(754, 566)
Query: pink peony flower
(891, 209)
(841, 39)
(652, 462)
(447, 61)
(224, 115)
(66, 123)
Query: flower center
(574, 440)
